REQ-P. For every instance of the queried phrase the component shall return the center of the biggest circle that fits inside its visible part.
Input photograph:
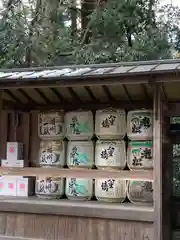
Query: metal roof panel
(143, 68)
(122, 69)
(99, 71)
(19, 75)
(4, 75)
(57, 73)
(78, 71)
(164, 67)
(36, 74)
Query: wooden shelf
(92, 209)
(66, 173)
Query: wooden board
(93, 209)
(71, 228)
(89, 173)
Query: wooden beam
(3, 128)
(91, 94)
(164, 93)
(26, 96)
(145, 92)
(26, 136)
(34, 143)
(162, 177)
(108, 93)
(56, 82)
(74, 95)
(58, 95)
(42, 95)
(64, 207)
(3, 133)
(3, 237)
(12, 96)
(127, 93)
(73, 105)
(157, 153)
(66, 173)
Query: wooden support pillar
(3, 128)
(162, 177)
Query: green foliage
(122, 31)
(45, 33)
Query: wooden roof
(91, 71)
(100, 84)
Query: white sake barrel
(80, 154)
(79, 125)
(140, 125)
(52, 153)
(140, 155)
(49, 187)
(51, 125)
(110, 124)
(110, 154)
(110, 190)
(79, 188)
(140, 192)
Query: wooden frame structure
(124, 85)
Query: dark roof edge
(103, 65)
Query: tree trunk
(87, 7)
(28, 57)
(73, 13)
(150, 18)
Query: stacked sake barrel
(51, 154)
(140, 154)
(80, 152)
(110, 153)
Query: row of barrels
(105, 124)
(106, 190)
(102, 154)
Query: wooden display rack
(124, 85)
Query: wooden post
(162, 176)
(157, 153)
(3, 128)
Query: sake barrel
(79, 188)
(79, 125)
(110, 190)
(140, 192)
(140, 155)
(49, 187)
(52, 153)
(110, 124)
(80, 154)
(139, 125)
(51, 125)
(110, 155)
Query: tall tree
(60, 32)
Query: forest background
(56, 32)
